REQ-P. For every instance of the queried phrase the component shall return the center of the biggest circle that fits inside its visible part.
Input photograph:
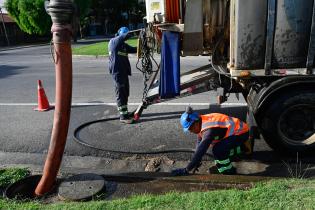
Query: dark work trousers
(121, 89)
(222, 149)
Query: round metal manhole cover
(81, 187)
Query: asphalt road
(24, 130)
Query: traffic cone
(43, 104)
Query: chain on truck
(263, 50)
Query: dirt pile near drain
(154, 163)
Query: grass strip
(279, 194)
(11, 175)
(98, 48)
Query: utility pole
(5, 30)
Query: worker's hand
(194, 170)
(179, 172)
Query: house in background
(3, 23)
(3, 33)
(106, 21)
(100, 22)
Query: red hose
(63, 59)
(172, 11)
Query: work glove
(196, 169)
(179, 172)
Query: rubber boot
(125, 115)
(231, 171)
(126, 119)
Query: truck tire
(288, 124)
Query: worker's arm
(131, 49)
(201, 149)
(198, 141)
(118, 41)
(207, 138)
(126, 36)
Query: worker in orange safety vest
(228, 136)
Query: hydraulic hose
(84, 143)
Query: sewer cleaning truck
(261, 49)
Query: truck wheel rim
(296, 125)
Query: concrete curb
(100, 57)
(21, 47)
(77, 164)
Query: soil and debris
(154, 164)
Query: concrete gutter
(98, 56)
(101, 57)
(126, 178)
(22, 46)
(129, 177)
(100, 165)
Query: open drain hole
(23, 189)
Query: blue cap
(187, 119)
(123, 30)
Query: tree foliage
(31, 16)
(84, 7)
(112, 11)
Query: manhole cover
(81, 187)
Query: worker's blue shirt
(118, 55)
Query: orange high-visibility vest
(216, 120)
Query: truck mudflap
(259, 97)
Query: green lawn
(10, 175)
(278, 194)
(98, 49)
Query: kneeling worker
(228, 136)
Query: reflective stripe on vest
(231, 128)
(122, 53)
(241, 127)
(223, 121)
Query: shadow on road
(234, 111)
(7, 71)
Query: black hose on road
(82, 142)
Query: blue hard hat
(123, 30)
(187, 119)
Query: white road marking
(131, 104)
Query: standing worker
(119, 68)
(228, 136)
